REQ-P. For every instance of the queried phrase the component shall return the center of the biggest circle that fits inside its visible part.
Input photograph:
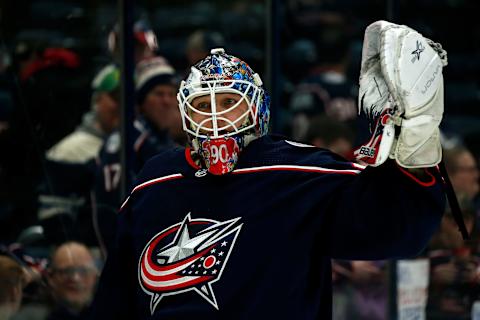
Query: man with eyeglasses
(72, 279)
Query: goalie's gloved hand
(401, 85)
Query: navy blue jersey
(257, 243)
(148, 142)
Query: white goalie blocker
(401, 84)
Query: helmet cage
(220, 126)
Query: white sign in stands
(412, 288)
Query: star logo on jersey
(417, 52)
(188, 256)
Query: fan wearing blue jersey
(157, 127)
(242, 224)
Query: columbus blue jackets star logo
(417, 52)
(190, 255)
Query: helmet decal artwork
(219, 131)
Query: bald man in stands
(72, 279)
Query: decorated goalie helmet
(224, 107)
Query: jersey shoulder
(168, 162)
(277, 150)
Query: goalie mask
(224, 107)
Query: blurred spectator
(454, 268)
(360, 290)
(34, 266)
(146, 44)
(158, 126)
(341, 289)
(65, 210)
(301, 55)
(49, 81)
(327, 89)
(156, 95)
(324, 132)
(72, 278)
(12, 281)
(199, 44)
(34, 304)
(463, 171)
(41, 100)
(370, 290)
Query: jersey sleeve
(383, 212)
